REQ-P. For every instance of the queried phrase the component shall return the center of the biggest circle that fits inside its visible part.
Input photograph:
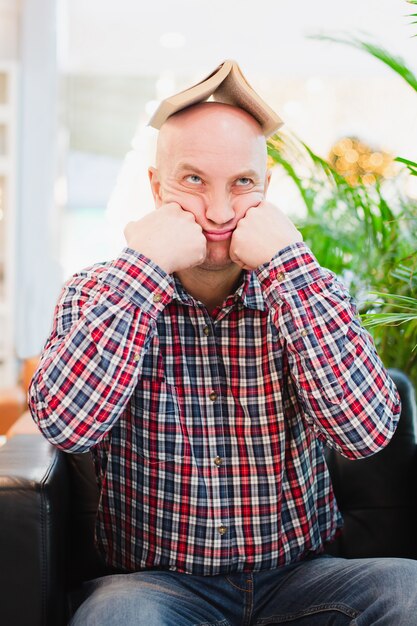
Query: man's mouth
(218, 235)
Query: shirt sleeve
(346, 395)
(103, 324)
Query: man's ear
(267, 180)
(155, 186)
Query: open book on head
(226, 84)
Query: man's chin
(217, 256)
(212, 265)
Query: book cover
(225, 84)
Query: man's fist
(260, 234)
(169, 236)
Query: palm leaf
(396, 63)
(381, 319)
(411, 165)
(398, 300)
(412, 14)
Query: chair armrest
(33, 514)
(377, 494)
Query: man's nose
(220, 210)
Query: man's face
(212, 161)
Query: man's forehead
(210, 127)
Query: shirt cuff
(291, 269)
(141, 281)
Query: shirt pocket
(156, 431)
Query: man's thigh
(322, 591)
(328, 591)
(156, 598)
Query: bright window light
(172, 40)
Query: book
(226, 84)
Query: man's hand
(169, 236)
(260, 234)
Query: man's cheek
(189, 201)
(245, 202)
(193, 204)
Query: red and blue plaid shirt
(207, 432)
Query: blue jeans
(320, 591)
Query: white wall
(38, 271)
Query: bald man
(205, 368)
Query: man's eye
(193, 178)
(243, 181)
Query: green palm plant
(352, 229)
(359, 234)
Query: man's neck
(210, 287)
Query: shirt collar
(180, 293)
(249, 292)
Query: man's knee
(104, 609)
(392, 590)
(124, 610)
(119, 600)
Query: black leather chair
(48, 501)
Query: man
(205, 368)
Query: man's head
(211, 159)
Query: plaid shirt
(207, 432)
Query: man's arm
(347, 397)
(346, 394)
(103, 323)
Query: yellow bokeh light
(351, 156)
(376, 159)
(360, 163)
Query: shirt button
(157, 297)
(206, 331)
(304, 332)
(222, 529)
(280, 276)
(136, 357)
(218, 461)
(213, 396)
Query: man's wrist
(140, 280)
(157, 258)
(292, 268)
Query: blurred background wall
(79, 80)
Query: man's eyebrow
(248, 174)
(181, 167)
